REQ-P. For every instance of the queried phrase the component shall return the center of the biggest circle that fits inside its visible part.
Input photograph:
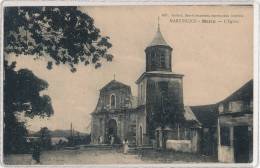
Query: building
(160, 91)
(185, 137)
(235, 126)
(207, 116)
(159, 108)
(114, 115)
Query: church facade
(114, 115)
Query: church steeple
(158, 39)
(158, 27)
(158, 53)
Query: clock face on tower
(221, 108)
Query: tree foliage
(66, 34)
(22, 93)
(166, 109)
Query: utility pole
(71, 134)
(71, 129)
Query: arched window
(153, 61)
(112, 101)
(162, 60)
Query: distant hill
(66, 133)
(59, 133)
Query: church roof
(158, 40)
(114, 85)
(189, 115)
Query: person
(112, 140)
(101, 139)
(125, 146)
(36, 153)
(109, 139)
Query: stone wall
(97, 128)
(179, 145)
(226, 154)
(142, 88)
(188, 144)
(141, 138)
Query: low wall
(179, 145)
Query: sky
(215, 59)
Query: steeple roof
(158, 39)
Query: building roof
(206, 114)
(244, 93)
(114, 85)
(190, 116)
(158, 39)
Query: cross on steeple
(158, 28)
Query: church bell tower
(160, 91)
(158, 54)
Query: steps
(101, 146)
(132, 148)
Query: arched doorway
(112, 128)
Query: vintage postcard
(128, 84)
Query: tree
(167, 111)
(22, 93)
(65, 34)
(167, 108)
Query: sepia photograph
(128, 84)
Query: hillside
(60, 133)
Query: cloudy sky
(216, 59)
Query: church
(157, 109)
(157, 117)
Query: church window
(162, 60)
(149, 86)
(163, 87)
(235, 106)
(153, 61)
(112, 101)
